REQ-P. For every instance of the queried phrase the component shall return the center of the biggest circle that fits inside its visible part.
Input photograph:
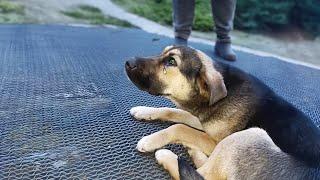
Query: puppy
(215, 100)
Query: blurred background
(290, 28)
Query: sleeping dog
(234, 126)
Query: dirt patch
(93, 15)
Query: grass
(9, 7)
(161, 11)
(94, 16)
(11, 12)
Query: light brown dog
(217, 103)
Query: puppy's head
(180, 73)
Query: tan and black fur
(217, 106)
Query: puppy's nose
(132, 63)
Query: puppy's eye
(171, 61)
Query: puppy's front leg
(178, 134)
(165, 114)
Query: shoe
(224, 50)
(180, 41)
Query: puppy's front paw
(146, 144)
(165, 157)
(144, 113)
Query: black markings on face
(144, 76)
(190, 63)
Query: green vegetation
(276, 14)
(11, 12)
(257, 15)
(94, 16)
(306, 14)
(9, 7)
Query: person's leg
(223, 14)
(183, 13)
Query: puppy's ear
(217, 87)
(211, 81)
(167, 48)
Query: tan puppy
(216, 100)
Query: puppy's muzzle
(136, 73)
(142, 72)
(131, 64)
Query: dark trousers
(223, 14)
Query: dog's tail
(187, 172)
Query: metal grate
(64, 101)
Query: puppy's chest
(219, 129)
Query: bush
(203, 16)
(259, 14)
(276, 14)
(306, 14)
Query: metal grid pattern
(64, 101)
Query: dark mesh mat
(64, 101)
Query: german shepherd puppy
(234, 126)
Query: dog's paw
(165, 156)
(144, 113)
(145, 145)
